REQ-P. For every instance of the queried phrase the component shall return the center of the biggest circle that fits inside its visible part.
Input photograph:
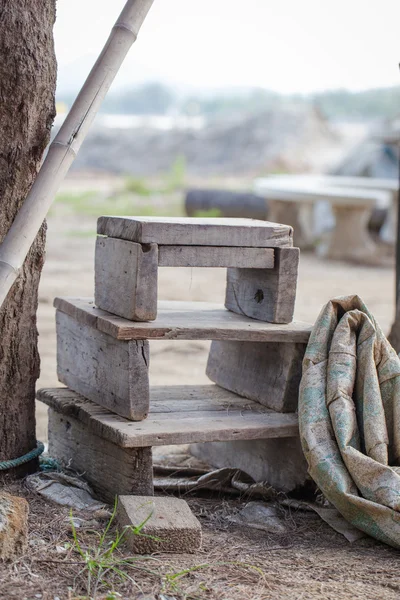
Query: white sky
(283, 45)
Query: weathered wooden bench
(293, 199)
(115, 454)
(99, 360)
(261, 263)
(108, 419)
(106, 358)
(104, 361)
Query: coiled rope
(16, 462)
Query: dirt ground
(310, 561)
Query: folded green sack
(349, 417)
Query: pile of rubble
(290, 139)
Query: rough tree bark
(27, 110)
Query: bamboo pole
(66, 144)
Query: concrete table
(294, 198)
(388, 232)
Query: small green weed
(211, 212)
(102, 566)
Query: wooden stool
(261, 262)
(115, 454)
(106, 358)
(109, 418)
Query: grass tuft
(209, 213)
(103, 567)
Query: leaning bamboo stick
(66, 144)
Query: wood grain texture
(255, 422)
(111, 372)
(184, 321)
(172, 527)
(108, 468)
(265, 294)
(192, 231)
(126, 278)
(215, 256)
(268, 373)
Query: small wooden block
(109, 469)
(184, 321)
(172, 527)
(265, 294)
(208, 413)
(111, 372)
(264, 372)
(215, 256)
(126, 276)
(192, 231)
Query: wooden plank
(215, 256)
(187, 399)
(265, 294)
(198, 427)
(192, 231)
(267, 373)
(110, 372)
(126, 277)
(185, 321)
(109, 469)
(170, 525)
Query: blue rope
(16, 462)
(46, 463)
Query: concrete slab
(170, 525)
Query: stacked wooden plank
(109, 417)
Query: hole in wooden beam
(259, 296)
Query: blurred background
(213, 96)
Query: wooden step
(184, 321)
(193, 231)
(178, 415)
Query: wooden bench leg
(109, 469)
(280, 463)
(113, 373)
(299, 215)
(266, 372)
(126, 278)
(350, 239)
(265, 294)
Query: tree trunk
(27, 88)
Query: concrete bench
(109, 417)
(292, 200)
(388, 232)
